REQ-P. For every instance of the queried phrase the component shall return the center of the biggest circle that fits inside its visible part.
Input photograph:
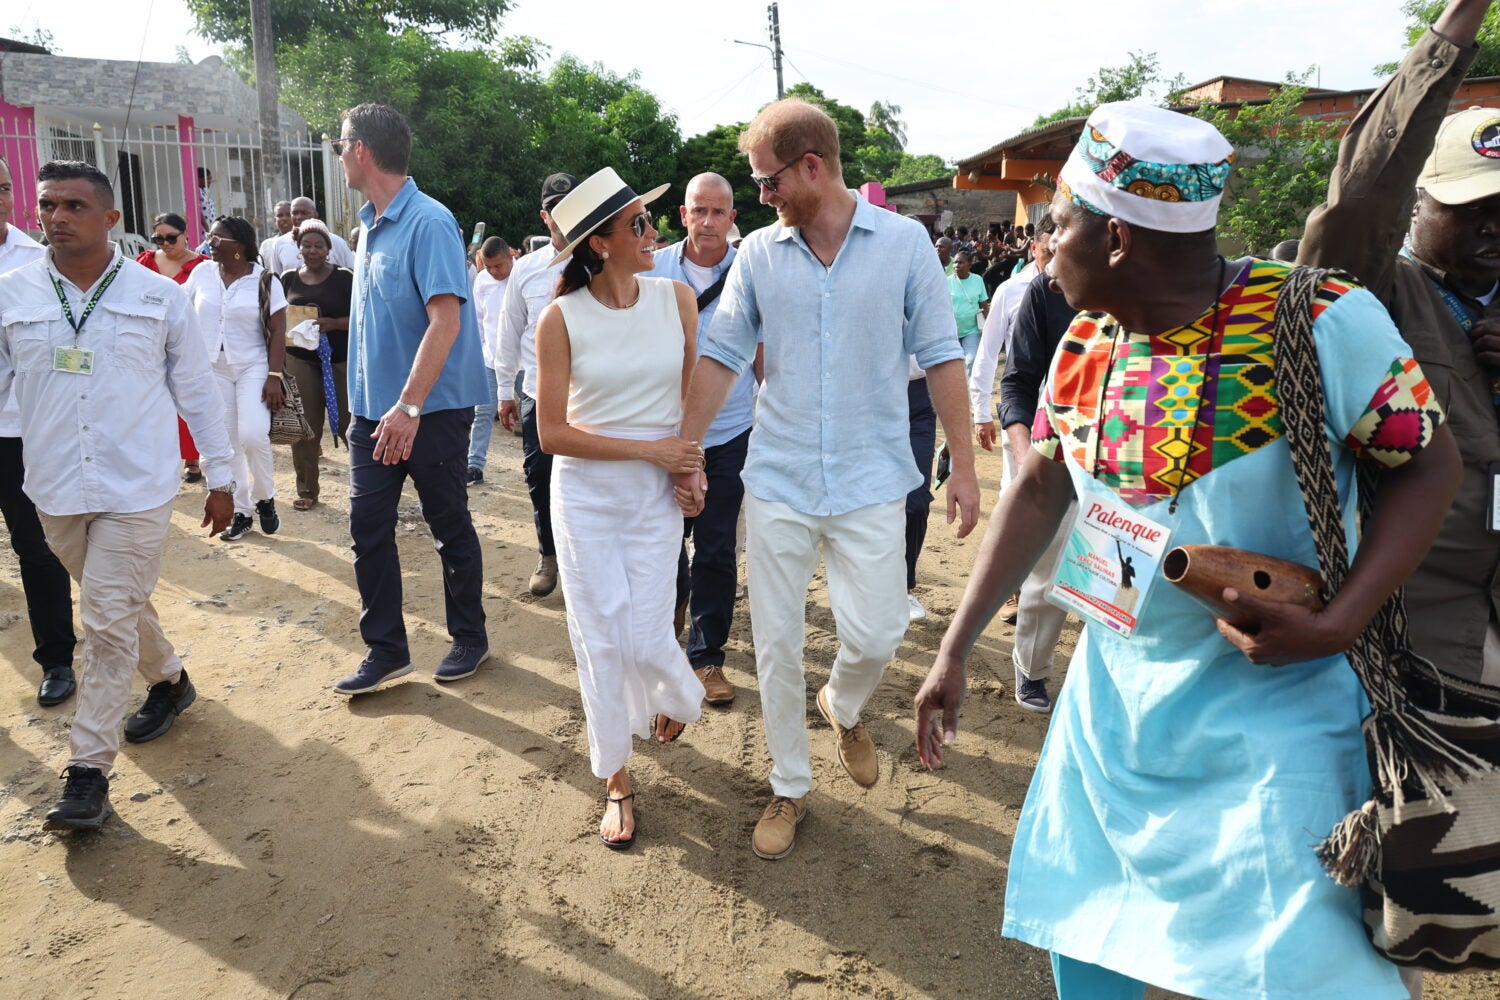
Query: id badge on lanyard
(1110, 561)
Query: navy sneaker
(164, 702)
(85, 801)
(270, 521)
(474, 477)
(370, 675)
(238, 528)
(461, 662)
(1032, 695)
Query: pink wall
(18, 146)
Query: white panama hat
(592, 203)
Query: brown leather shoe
(717, 690)
(776, 832)
(544, 578)
(1011, 609)
(856, 752)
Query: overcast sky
(964, 79)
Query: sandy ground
(439, 842)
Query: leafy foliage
(294, 21)
(1140, 77)
(917, 168)
(1285, 163)
(1424, 12)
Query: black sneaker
(1032, 695)
(475, 477)
(270, 521)
(85, 801)
(238, 528)
(164, 702)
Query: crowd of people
(796, 383)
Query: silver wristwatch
(410, 409)
(228, 487)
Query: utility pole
(774, 48)
(775, 18)
(264, 43)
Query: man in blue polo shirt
(702, 261)
(842, 294)
(416, 372)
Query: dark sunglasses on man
(166, 241)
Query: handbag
(289, 424)
(1424, 852)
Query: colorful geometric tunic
(1169, 827)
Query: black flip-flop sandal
(619, 845)
(679, 732)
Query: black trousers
(923, 444)
(437, 467)
(537, 465)
(49, 595)
(709, 584)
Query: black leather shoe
(85, 801)
(58, 685)
(164, 702)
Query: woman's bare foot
(618, 824)
(667, 729)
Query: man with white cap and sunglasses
(1163, 840)
(1440, 287)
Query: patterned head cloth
(1154, 168)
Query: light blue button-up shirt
(410, 254)
(739, 409)
(832, 432)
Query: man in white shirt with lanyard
(102, 354)
(707, 587)
(49, 594)
(530, 290)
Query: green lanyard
(88, 310)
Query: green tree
(1424, 12)
(292, 23)
(917, 168)
(1285, 161)
(1141, 76)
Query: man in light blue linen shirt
(416, 372)
(702, 261)
(841, 293)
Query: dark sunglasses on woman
(166, 240)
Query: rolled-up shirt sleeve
(931, 328)
(735, 329)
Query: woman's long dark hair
(585, 263)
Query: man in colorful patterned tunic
(1165, 836)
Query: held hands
(690, 488)
(218, 508)
(675, 455)
(510, 414)
(1286, 633)
(394, 436)
(939, 699)
(273, 394)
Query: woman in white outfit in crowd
(247, 358)
(614, 352)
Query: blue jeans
(484, 423)
(436, 470)
(970, 344)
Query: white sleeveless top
(627, 363)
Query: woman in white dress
(614, 352)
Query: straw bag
(1425, 850)
(289, 424)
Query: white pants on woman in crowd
(1039, 622)
(249, 424)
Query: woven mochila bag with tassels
(1425, 850)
